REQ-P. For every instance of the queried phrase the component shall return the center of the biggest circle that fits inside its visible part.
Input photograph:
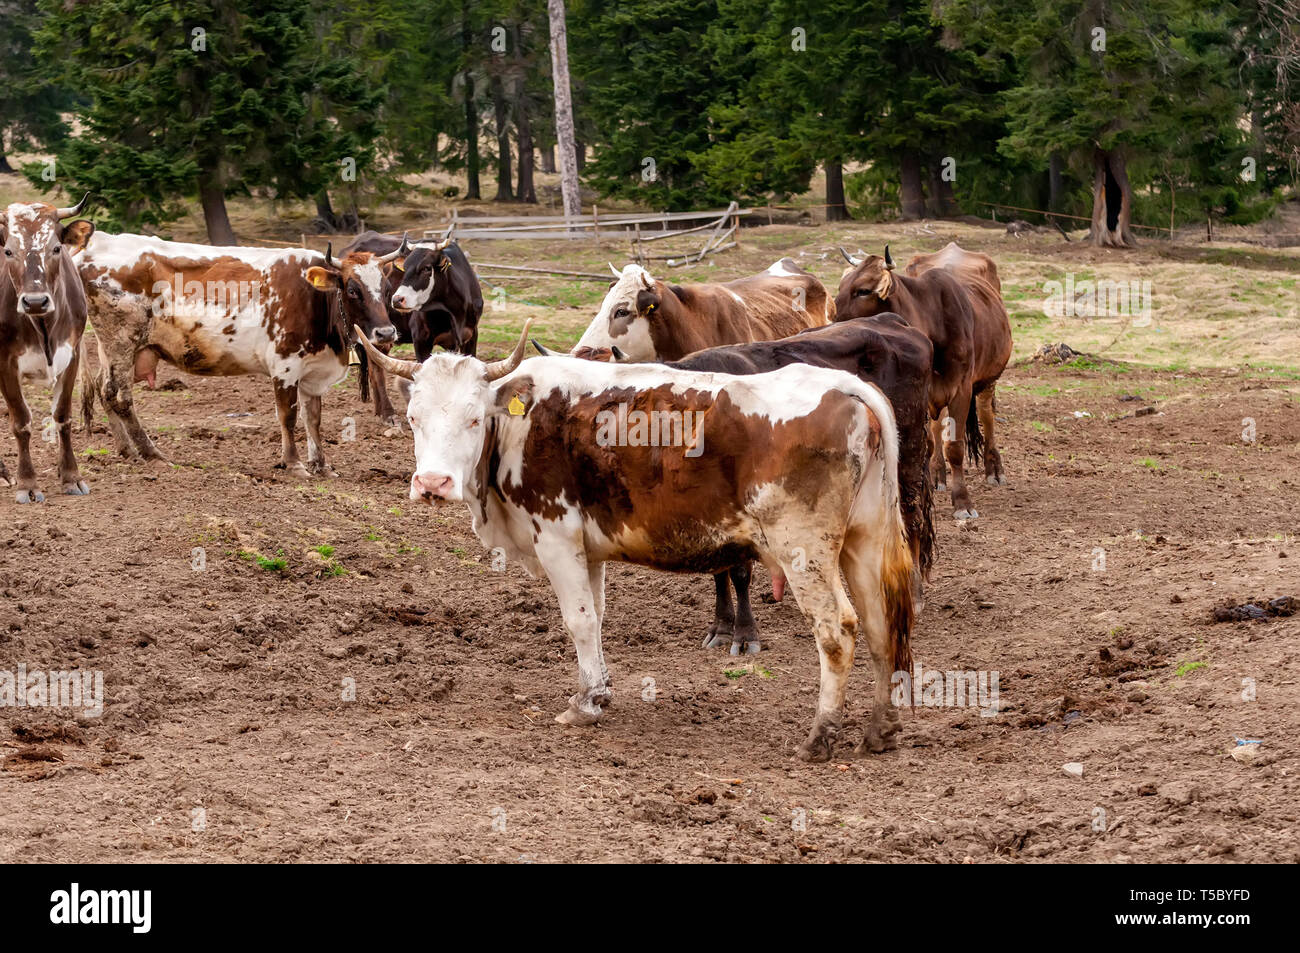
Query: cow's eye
(621, 313)
(9, 253)
(354, 293)
(862, 293)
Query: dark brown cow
(883, 350)
(971, 347)
(568, 464)
(434, 300)
(643, 319)
(42, 319)
(286, 313)
(979, 276)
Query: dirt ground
(225, 734)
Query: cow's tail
(974, 441)
(877, 516)
(89, 385)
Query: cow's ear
(646, 302)
(399, 263)
(514, 399)
(613, 283)
(322, 279)
(76, 234)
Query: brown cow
(979, 276)
(643, 319)
(42, 319)
(568, 464)
(286, 313)
(971, 347)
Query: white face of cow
(623, 320)
(448, 411)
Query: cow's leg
(565, 562)
(938, 469)
(286, 406)
(746, 637)
(820, 594)
(115, 381)
(20, 421)
(861, 561)
(986, 405)
(724, 614)
(5, 478)
(315, 446)
(379, 388)
(69, 472)
(955, 452)
(596, 580)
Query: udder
(146, 368)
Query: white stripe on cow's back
(788, 393)
(123, 250)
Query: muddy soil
(230, 731)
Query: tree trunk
(909, 186)
(524, 134)
(1055, 186)
(580, 154)
(836, 208)
(501, 110)
(471, 110)
(1112, 201)
(564, 110)
(548, 158)
(5, 167)
(325, 211)
(213, 198)
(940, 202)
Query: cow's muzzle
(428, 487)
(384, 335)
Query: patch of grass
(276, 563)
(371, 535)
(1041, 427)
(1149, 463)
(406, 549)
(1187, 668)
(325, 549)
(94, 452)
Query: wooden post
(595, 223)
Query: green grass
(1149, 463)
(1187, 668)
(325, 549)
(276, 563)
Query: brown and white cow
(971, 347)
(42, 319)
(283, 313)
(644, 319)
(797, 467)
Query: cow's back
(783, 300)
(978, 276)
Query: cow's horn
(544, 351)
(847, 257)
(329, 254)
(619, 356)
(392, 365)
(76, 209)
(889, 262)
(498, 369)
(645, 280)
(401, 250)
(617, 273)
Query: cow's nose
(388, 333)
(429, 486)
(36, 302)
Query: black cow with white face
(434, 300)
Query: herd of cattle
(694, 428)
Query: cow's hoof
(875, 743)
(751, 647)
(79, 488)
(996, 480)
(297, 471)
(158, 463)
(577, 718)
(29, 496)
(815, 749)
(720, 635)
(323, 470)
(967, 514)
(6, 479)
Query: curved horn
(401, 250)
(329, 255)
(889, 262)
(847, 257)
(619, 356)
(74, 210)
(499, 369)
(645, 280)
(617, 273)
(392, 365)
(544, 351)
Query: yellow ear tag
(516, 406)
(319, 280)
